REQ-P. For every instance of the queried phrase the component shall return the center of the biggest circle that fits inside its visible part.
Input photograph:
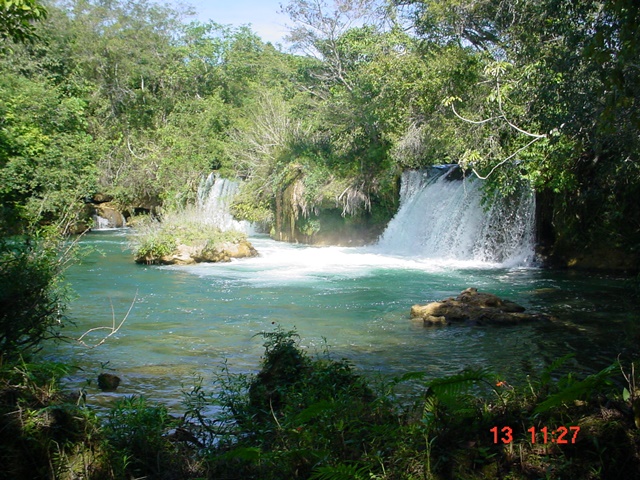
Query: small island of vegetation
(175, 240)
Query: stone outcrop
(323, 221)
(114, 218)
(101, 198)
(190, 254)
(475, 308)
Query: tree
(127, 50)
(182, 159)
(571, 78)
(46, 155)
(17, 18)
(318, 27)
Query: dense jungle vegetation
(128, 101)
(96, 97)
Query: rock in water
(200, 252)
(476, 308)
(108, 382)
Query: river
(185, 322)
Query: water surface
(186, 321)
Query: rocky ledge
(474, 308)
(202, 252)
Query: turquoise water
(186, 321)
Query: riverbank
(311, 416)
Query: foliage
(46, 155)
(157, 238)
(135, 431)
(297, 413)
(32, 296)
(153, 240)
(562, 73)
(319, 28)
(516, 94)
(46, 433)
(316, 417)
(123, 98)
(305, 417)
(17, 18)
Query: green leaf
(409, 376)
(545, 378)
(577, 390)
(313, 411)
(339, 472)
(249, 454)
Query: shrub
(156, 239)
(31, 293)
(136, 434)
(304, 417)
(299, 413)
(45, 432)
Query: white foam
(282, 263)
(446, 219)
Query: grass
(155, 238)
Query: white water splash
(441, 226)
(215, 196)
(445, 219)
(101, 223)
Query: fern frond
(577, 390)
(545, 377)
(460, 383)
(406, 377)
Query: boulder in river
(475, 308)
(108, 382)
(110, 214)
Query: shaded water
(187, 320)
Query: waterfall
(444, 218)
(100, 223)
(215, 196)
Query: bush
(156, 239)
(45, 432)
(136, 434)
(316, 418)
(31, 293)
(299, 413)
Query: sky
(261, 14)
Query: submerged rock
(476, 308)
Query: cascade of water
(215, 195)
(101, 223)
(444, 218)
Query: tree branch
(113, 327)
